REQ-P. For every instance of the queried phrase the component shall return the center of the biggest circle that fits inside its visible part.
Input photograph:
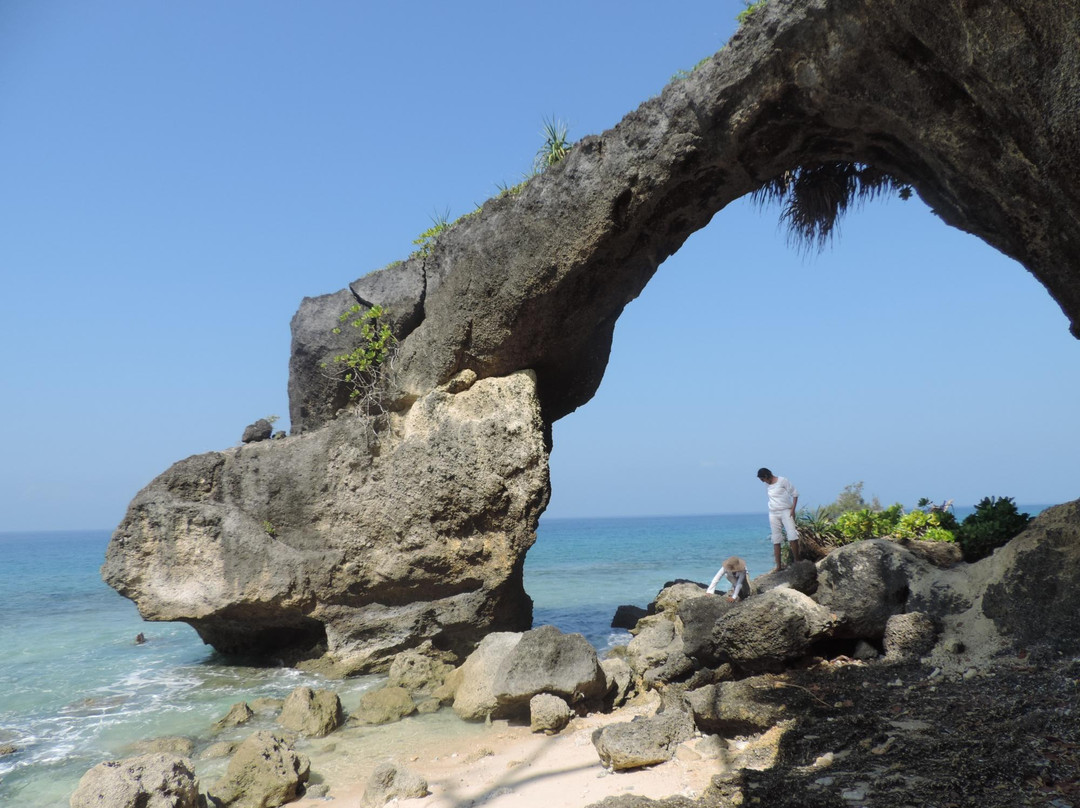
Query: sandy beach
(501, 764)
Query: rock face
(371, 535)
(339, 538)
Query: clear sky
(176, 176)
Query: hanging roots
(814, 198)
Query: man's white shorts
(778, 518)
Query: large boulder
(508, 672)
(734, 708)
(314, 713)
(344, 540)
(474, 696)
(1032, 582)
(909, 636)
(767, 630)
(264, 772)
(383, 706)
(146, 781)
(642, 741)
(867, 582)
(655, 654)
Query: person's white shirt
(782, 495)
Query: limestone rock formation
(373, 533)
(392, 782)
(264, 772)
(643, 741)
(340, 538)
(506, 670)
(314, 713)
(146, 781)
(547, 713)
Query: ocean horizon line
(1022, 506)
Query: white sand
(501, 765)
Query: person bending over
(734, 569)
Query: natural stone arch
(391, 531)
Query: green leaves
(360, 365)
(555, 146)
(994, 523)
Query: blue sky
(178, 175)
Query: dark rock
(769, 629)
(801, 576)
(260, 430)
(627, 616)
(548, 661)
(698, 618)
(643, 741)
(866, 583)
(1033, 581)
(909, 636)
(735, 708)
(147, 781)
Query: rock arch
(417, 530)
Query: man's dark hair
(764, 474)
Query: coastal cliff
(366, 533)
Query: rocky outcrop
(347, 541)
(368, 535)
(146, 781)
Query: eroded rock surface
(339, 538)
(366, 544)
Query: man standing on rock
(783, 498)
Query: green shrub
(924, 525)
(938, 534)
(748, 12)
(994, 523)
(360, 366)
(867, 524)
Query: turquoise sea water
(76, 690)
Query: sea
(76, 689)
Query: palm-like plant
(556, 144)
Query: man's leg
(792, 533)
(775, 523)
